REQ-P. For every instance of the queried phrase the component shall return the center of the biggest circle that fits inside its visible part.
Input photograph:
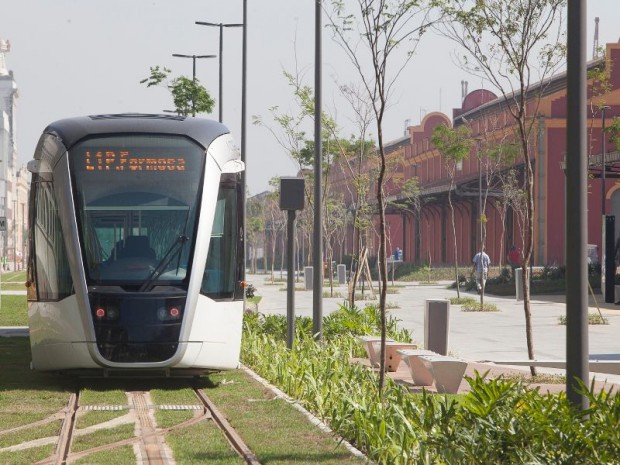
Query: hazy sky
(79, 57)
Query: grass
(30, 434)
(475, 307)
(27, 396)
(118, 456)
(593, 319)
(275, 431)
(14, 310)
(462, 300)
(101, 437)
(28, 456)
(541, 378)
(188, 446)
(285, 435)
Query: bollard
(342, 274)
(519, 283)
(437, 325)
(308, 276)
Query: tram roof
(72, 130)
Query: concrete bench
(367, 343)
(392, 357)
(431, 368)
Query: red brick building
(425, 234)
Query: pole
(576, 208)
(290, 283)
(317, 290)
(221, 92)
(194, 83)
(603, 163)
(244, 66)
(193, 57)
(244, 53)
(15, 235)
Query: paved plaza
(473, 336)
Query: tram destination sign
(126, 161)
(2, 223)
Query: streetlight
(14, 234)
(603, 161)
(193, 57)
(607, 227)
(221, 26)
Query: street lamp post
(608, 268)
(603, 161)
(193, 57)
(221, 26)
(14, 234)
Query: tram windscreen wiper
(174, 249)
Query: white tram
(136, 246)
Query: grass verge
(285, 436)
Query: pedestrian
(481, 263)
(514, 258)
(617, 255)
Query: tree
(255, 229)
(383, 26)
(454, 144)
(508, 41)
(188, 95)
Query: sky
(83, 57)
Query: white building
(14, 184)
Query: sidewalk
(473, 336)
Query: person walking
(481, 263)
(514, 258)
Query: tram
(136, 246)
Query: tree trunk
(382, 262)
(456, 255)
(529, 242)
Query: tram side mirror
(233, 166)
(39, 167)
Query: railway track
(149, 439)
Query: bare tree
(454, 144)
(370, 38)
(509, 41)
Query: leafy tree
(188, 95)
(454, 144)
(508, 41)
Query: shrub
(475, 307)
(498, 422)
(250, 290)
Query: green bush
(499, 421)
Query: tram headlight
(107, 313)
(168, 313)
(113, 313)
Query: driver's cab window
(219, 277)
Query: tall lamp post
(603, 161)
(221, 26)
(608, 227)
(193, 57)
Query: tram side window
(218, 281)
(52, 275)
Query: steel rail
(231, 434)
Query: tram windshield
(136, 201)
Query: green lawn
(273, 429)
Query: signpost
(2, 229)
